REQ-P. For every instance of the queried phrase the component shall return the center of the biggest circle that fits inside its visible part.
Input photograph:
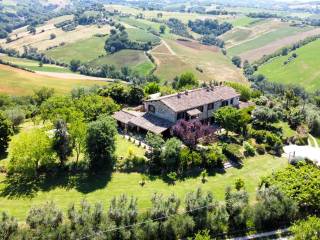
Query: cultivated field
(83, 50)
(34, 65)
(101, 189)
(134, 59)
(257, 53)
(19, 82)
(41, 40)
(174, 57)
(303, 70)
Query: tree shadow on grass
(16, 186)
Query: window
(151, 108)
(231, 102)
(225, 103)
(210, 106)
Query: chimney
(186, 92)
(178, 95)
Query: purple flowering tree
(190, 132)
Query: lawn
(101, 189)
(124, 147)
(302, 71)
(19, 82)
(134, 59)
(34, 65)
(286, 129)
(83, 50)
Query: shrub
(248, 149)
(233, 152)
(261, 149)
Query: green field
(84, 50)
(100, 189)
(134, 59)
(264, 39)
(34, 65)
(302, 71)
(139, 35)
(18, 82)
(242, 21)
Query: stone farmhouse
(159, 114)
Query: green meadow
(302, 71)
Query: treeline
(220, 12)
(173, 218)
(209, 26)
(179, 28)
(212, 40)
(119, 40)
(262, 15)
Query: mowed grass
(99, 189)
(265, 39)
(303, 70)
(134, 59)
(34, 65)
(19, 82)
(83, 50)
(124, 147)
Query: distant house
(159, 114)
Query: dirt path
(169, 48)
(73, 76)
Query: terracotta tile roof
(198, 97)
(151, 123)
(145, 121)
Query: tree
(42, 95)
(78, 131)
(152, 88)
(162, 29)
(171, 152)
(62, 142)
(264, 115)
(186, 80)
(91, 106)
(306, 229)
(100, 142)
(191, 131)
(228, 118)
(29, 151)
(16, 117)
(74, 65)
(136, 95)
(8, 226)
(5, 132)
(53, 36)
(156, 143)
(273, 208)
(237, 204)
(236, 60)
(31, 29)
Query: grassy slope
(139, 35)
(18, 82)
(99, 190)
(264, 39)
(34, 65)
(84, 50)
(134, 59)
(303, 71)
(215, 66)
